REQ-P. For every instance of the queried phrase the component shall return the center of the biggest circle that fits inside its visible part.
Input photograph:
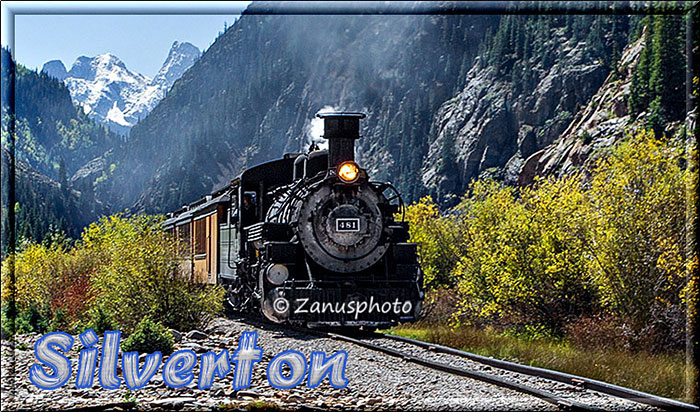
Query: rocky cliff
(508, 111)
(602, 122)
(253, 95)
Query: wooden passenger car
(213, 227)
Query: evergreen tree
(658, 81)
(62, 175)
(667, 75)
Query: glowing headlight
(348, 172)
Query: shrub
(262, 406)
(439, 241)
(52, 277)
(100, 321)
(148, 337)
(140, 275)
(59, 321)
(523, 263)
(31, 320)
(36, 269)
(534, 259)
(638, 196)
(121, 271)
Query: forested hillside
(53, 140)
(51, 130)
(252, 96)
(644, 90)
(449, 99)
(530, 78)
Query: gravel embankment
(569, 392)
(376, 381)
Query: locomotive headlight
(277, 274)
(348, 171)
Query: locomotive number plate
(348, 224)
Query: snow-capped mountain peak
(181, 57)
(114, 95)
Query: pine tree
(62, 175)
(667, 75)
(614, 60)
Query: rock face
(114, 95)
(254, 93)
(490, 127)
(437, 116)
(600, 124)
(55, 69)
(180, 58)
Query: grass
(660, 374)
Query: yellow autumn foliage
(611, 240)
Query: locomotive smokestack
(341, 129)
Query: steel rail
(561, 403)
(558, 401)
(586, 383)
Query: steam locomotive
(307, 239)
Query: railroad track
(573, 380)
(565, 391)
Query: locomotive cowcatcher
(307, 239)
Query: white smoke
(314, 129)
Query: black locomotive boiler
(307, 239)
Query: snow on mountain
(114, 95)
(181, 57)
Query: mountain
(53, 139)
(448, 98)
(408, 73)
(114, 95)
(601, 123)
(253, 95)
(53, 135)
(180, 58)
(522, 92)
(638, 94)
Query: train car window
(248, 209)
(200, 236)
(228, 250)
(184, 234)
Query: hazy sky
(141, 41)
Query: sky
(141, 41)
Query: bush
(50, 278)
(638, 198)
(608, 241)
(439, 239)
(149, 337)
(31, 320)
(140, 275)
(100, 321)
(59, 321)
(121, 271)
